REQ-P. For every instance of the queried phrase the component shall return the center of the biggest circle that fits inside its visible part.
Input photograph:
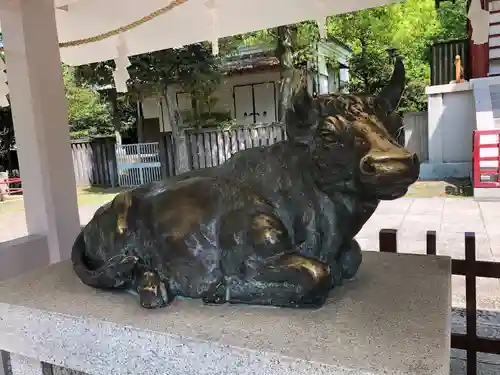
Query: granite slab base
(393, 318)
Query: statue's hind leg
(289, 281)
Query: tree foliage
(87, 115)
(193, 67)
(410, 27)
(7, 138)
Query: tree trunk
(284, 53)
(140, 121)
(196, 111)
(113, 98)
(179, 136)
(366, 81)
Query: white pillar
(41, 122)
(435, 109)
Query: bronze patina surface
(273, 225)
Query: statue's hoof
(213, 300)
(215, 295)
(317, 296)
(154, 297)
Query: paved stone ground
(449, 217)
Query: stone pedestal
(394, 318)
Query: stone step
(495, 29)
(494, 52)
(494, 67)
(494, 41)
(494, 17)
(494, 6)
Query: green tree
(193, 67)
(98, 77)
(411, 27)
(453, 20)
(7, 138)
(296, 47)
(88, 116)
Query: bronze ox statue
(272, 226)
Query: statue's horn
(299, 118)
(394, 90)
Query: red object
(479, 59)
(487, 177)
(8, 182)
(479, 54)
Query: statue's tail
(105, 276)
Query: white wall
(225, 92)
(266, 97)
(452, 118)
(224, 95)
(416, 138)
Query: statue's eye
(361, 141)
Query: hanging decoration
(122, 62)
(212, 8)
(120, 74)
(122, 29)
(4, 88)
(479, 20)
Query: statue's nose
(373, 164)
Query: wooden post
(471, 302)
(179, 136)
(388, 240)
(458, 69)
(431, 242)
(162, 150)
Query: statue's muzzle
(398, 169)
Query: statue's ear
(301, 115)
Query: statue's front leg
(328, 254)
(290, 280)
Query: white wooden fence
(99, 162)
